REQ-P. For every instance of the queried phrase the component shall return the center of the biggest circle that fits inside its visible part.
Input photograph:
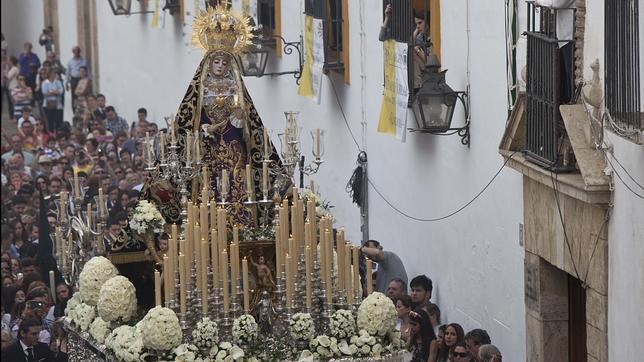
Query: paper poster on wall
(155, 14)
(393, 111)
(311, 81)
(247, 7)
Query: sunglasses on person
(460, 354)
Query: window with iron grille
(622, 70)
(336, 37)
(402, 28)
(266, 18)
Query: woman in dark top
(421, 333)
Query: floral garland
(161, 330)
(146, 217)
(205, 334)
(377, 314)
(245, 329)
(117, 299)
(95, 273)
(342, 324)
(301, 327)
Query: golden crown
(221, 29)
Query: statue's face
(220, 65)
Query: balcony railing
(545, 131)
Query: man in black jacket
(27, 348)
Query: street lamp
(434, 104)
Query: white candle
(224, 184)
(317, 143)
(148, 146)
(265, 177)
(173, 129)
(182, 284)
(101, 203)
(245, 286)
(188, 147)
(157, 288)
(162, 145)
(249, 182)
(266, 152)
(52, 285)
(197, 146)
(76, 185)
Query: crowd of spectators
(419, 320)
(42, 148)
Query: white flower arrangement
(342, 324)
(95, 272)
(85, 314)
(161, 330)
(322, 208)
(301, 326)
(226, 351)
(394, 341)
(324, 347)
(117, 299)
(126, 343)
(366, 345)
(377, 314)
(188, 353)
(99, 329)
(70, 309)
(146, 217)
(205, 334)
(245, 329)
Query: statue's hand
(211, 129)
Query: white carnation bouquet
(99, 329)
(85, 314)
(324, 347)
(366, 345)
(188, 353)
(205, 334)
(95, 272)
(342, 324)
(245, 329)
(322, 207)
(161, 330)
(126, 343)
(146, 217)
(117, 299)
(377, 314)
(226, 351)
(70, 309)
(301, 327)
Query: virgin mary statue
(217, 104)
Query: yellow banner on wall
(393, 110)
(311, 81)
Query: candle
(204, 278)
(173, 129)
(52, 285)
(317, 143)
(167, 280)
(266, 149)
(249, 182)
(90, 220)
(214, 251)
(224, 277)
(157, 288)
(162, 145)
(197, 146)
(62, 212)
(101, 203)
(148, 146)
(233, 271)
(329, 265)
(278, 250)
(341, 268)
(174, 232)
(224, 184)
(348, 270)
(289, 285)
(245, 286)
(188, 147)
(59, 243)
(203, 220)
(76, 185)
(369, 270)
(182, 284)
(221, 228)
(307, 252)
(196, 248)
(213, 216)
(265, 177)
(204, 180)
(291, 252)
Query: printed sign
(393, 111)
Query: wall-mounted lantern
(123, 7)
(434, 104)
(253, 62)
